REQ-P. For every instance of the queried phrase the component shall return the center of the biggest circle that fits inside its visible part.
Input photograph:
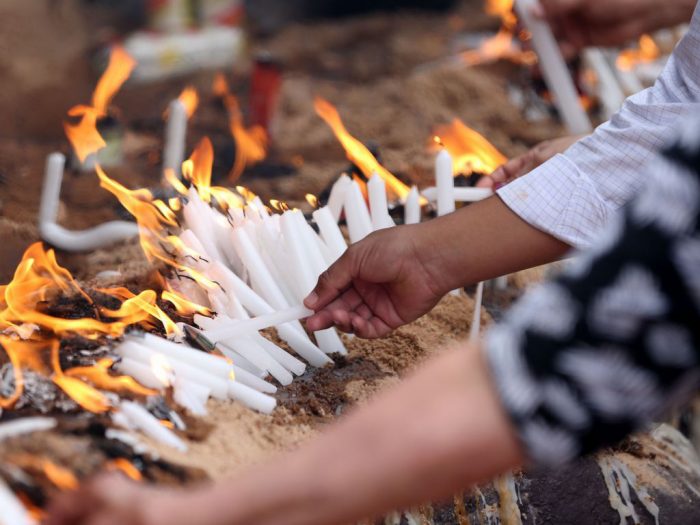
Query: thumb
(331, 283)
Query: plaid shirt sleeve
(586, 359)
(575, 193)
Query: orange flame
(143, 302)
(647, 51)
(251, 143)
(502, 45)
(197, 168)
(184, 306)
(118, 70)
(312, 200)
(38, 277)
(357, 152)
(84, 136)
(125, 467)
(60, 476)
(99, 376)
(471, 152)
(189, 99)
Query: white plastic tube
(68, 240)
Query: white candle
(476, 319)
(198, 216)
(258, 270)
(501, 282)
(190, 396)
(330, 232)
(254, 382)
(460, 194)
(254, 353)
(175, 135)
(142, 419)
(140, 371)
(288, 361)
(336, 199)
(26, 425)
(209, 362)
(259, 323)
(554, 69)
(607, 87)
(356, 213)
(137, 352)
(412, 207)
(292, 333)
(379, 208)
(251, 398)
(444, 182)
(51, 191)
(297, 248)
(13, 511)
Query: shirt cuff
(559, 200)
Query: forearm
(483, 241)
(438, 432)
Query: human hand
(581, 23)
(112, 500)
(382, 282)
(528, 161)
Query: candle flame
(646, 51)
(312, 200)
(356, 151)
(471, 152)
(251, 142)
(84, 136)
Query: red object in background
(264, 89)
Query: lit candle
(554, 69)
(412, 207)
(142, 419)
(356, 213)
(336, 199)
(376, 187)
(330, 232)
(444, 182)
(175, 135)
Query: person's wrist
(434, 250)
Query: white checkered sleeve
(573, 195)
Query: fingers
(334, 281)
(322, 319)
(93, 503)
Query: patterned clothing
(590, 357)
(574, 194)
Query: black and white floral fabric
(582, 361)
